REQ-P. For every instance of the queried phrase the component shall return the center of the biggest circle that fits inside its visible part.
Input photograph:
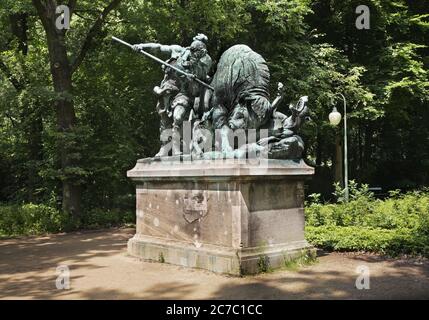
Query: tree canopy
(77, 110)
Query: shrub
(34, 219)
(399, 224)
(30, 219)
(104, 218)
(392, 242)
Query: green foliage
(30, 219)
(356, 192)
(36, 219)
(391, 242)
(264, 264)
(161, 258)
(99, 218)
(304, 258)
(396, 225)
(312, 47)
(285, 15)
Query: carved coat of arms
(195, 206)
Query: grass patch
(305, 258)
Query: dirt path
(101, 269)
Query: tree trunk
(62, 71)
(66, 119)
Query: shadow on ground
(101, 270)
(28, 265)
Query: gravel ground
(101, 269)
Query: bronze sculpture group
(234, 101)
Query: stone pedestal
(227, 216)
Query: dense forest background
(77, 110)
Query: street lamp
(335, 119)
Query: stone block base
(228, 216)
(219, 260)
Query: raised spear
(147, 54)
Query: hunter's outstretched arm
(169, 49)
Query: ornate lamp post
(335, 119)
